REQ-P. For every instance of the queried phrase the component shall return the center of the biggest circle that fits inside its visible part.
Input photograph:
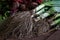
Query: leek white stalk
(40, 12)
(39, 7)
(44, 15)
(55, 22)
(57, 15)
(48, 13)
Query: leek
(57, 15)
(55, 22)
(48, 13)
(44, 15)
(40, 12)
(39, 7)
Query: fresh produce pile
(43, 19)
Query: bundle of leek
(46, 14)
(41, 11)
